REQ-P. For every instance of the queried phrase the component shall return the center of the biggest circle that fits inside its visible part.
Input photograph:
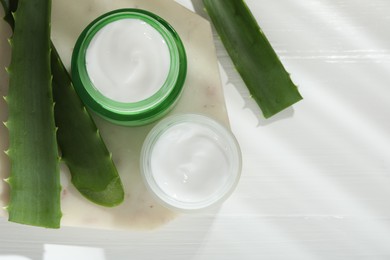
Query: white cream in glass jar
(190, 162)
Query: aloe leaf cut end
(111, 196)
(253, 56)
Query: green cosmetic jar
(130, 113)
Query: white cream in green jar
(129, 66)
(121, 56)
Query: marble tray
(203, 94)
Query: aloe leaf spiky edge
(253, 56)
(94, 176)
(34, 179)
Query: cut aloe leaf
(83, 150)
(34, 178)
(253, 56)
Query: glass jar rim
(233, 152)
(139, 112)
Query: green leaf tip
(253, 56)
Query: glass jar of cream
(190, 162)
(129, 66)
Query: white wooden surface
(316, 178)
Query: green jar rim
(131, 113)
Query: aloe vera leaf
(34, 178)
(83, 150)
(253, 56)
